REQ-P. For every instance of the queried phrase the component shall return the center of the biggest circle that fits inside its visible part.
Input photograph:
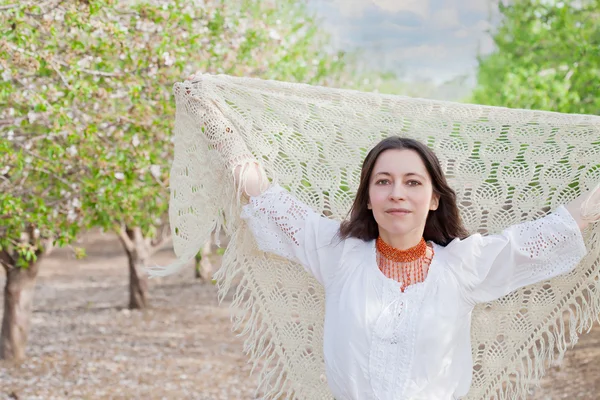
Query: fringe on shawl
(548, 343)
(249, 321)
(232, 195)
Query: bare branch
(64, 64)
(9, 6)
(158, 246)
(100, 73)
(6, 259)
(58, 3)
(45, 171)
(62, 77)
(8, 121)
(47, 246)
(163, 238)
(68, 184)
(125, 240)
(160, 183)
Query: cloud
(480, 6)
(433, 38)
(417, 7)
(352, 8)
(445, 18)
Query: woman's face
(401, 196)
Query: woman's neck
(401, 242)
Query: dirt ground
(85, 344)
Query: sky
(433, 40)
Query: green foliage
(86, 111)
(547, 58)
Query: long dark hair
(443, 224)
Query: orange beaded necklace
(404, 266)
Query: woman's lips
(398, 211)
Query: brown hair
(442, 225)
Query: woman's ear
(435, 202)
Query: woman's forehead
(399, 162)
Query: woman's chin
(400, 231)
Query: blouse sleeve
(495, 265)
(283, 225)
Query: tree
(279, 42)
(86, 116)
(547, 57)
(40, 197)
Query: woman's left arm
(489, 267)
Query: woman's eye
(413, 183)
(382, 182)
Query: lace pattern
(550, 249)
(394, 336)
(277, 220)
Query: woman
(401, 275)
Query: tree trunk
(138, 282)
(18, 299)
(138, 255)
(203, 266)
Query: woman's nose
(397, 192)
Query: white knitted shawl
(506, 166)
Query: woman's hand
(586, 208)
(246, 170)
(252, 177)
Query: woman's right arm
(280, 223)
(283, 225)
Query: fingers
(192, 77)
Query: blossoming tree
(87, 114)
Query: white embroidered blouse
(380, 343)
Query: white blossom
(155, 170)
(6, 75)
(119, 176)
(5, 170)
(135, 141)
(71, 216)
(273, 34)
(168, 59)
(72, 150)
(84, 62)
(32, 117)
